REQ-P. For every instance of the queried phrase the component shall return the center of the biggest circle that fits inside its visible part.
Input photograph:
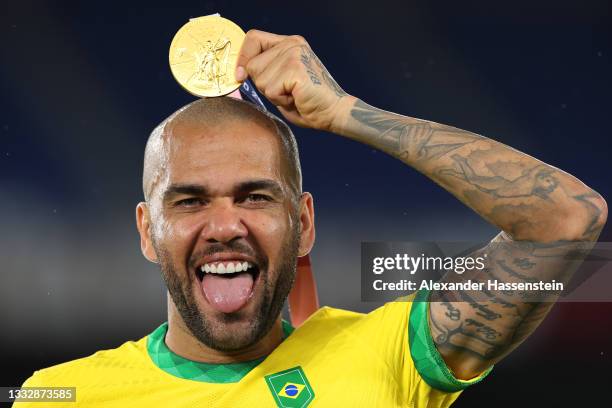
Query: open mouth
(228, 285)
(227, 269)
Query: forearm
(521, 195)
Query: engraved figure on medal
(212, 61)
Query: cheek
(270, 232)
(176, 236)
(184, 228)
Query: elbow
(585, 221)
(603, 207)
(602, 212)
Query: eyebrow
(184, 189)
(241, 188)
(261, 184)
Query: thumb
(292, 115)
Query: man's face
(223, 204)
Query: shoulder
(331, 319)
(131, 355)
(397, 309)
(392, 316)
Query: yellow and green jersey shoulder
(337, 358)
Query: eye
(254, 198)
(189, 202)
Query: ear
(143, 222)
(307, 227)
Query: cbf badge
(290, 388)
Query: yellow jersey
(337, 358)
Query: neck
(181, 341)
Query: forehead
(222, 155)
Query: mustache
(232, 246)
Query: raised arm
(521, 195)
(544, 213)
(545, 216)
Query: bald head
(212, 113)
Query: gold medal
(203, 55)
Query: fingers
(277, 73)
(263, 61)
(255, 42)
(278, 89)
(286, 71)
(273, 64)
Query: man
(225, 217)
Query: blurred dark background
(83, 83)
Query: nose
(223, 223)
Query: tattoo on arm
(453, 313)
(528, 199)
(525, 278)
(513, 191)
(538, 181)
(595, 214)
(490, 324)
(453, 331)
(524, 263)
(410, 139)
(481, 328)
(310, 60)
(306, 57)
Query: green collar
(181, 367)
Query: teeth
(229, 267)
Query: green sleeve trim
(287, 328)
(429, 363)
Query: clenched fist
(289, 74)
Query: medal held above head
(203, 55)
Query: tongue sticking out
(227, 294)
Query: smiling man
(226, 219)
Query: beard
(213, 332)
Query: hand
(287, 71)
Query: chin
(232, 333)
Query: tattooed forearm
(307, 58)
(523, 263)
(516, 192)
(538, 181)
(319, 75)
(407, 138)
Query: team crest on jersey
(290, 388)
